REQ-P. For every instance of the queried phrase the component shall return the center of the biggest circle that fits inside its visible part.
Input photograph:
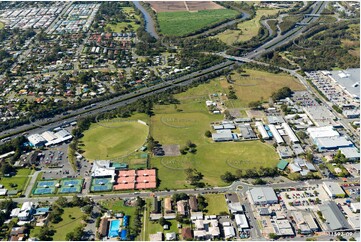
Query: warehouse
(284, 152)
(36, 140)
(290, 133)
(305, 222)
(322, 132)
(333, 189)
(351, 153)
(332, 143)
(282, 227)
(335, 220)
(262, 196)
(262, 130)
(276, 134)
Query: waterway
(149, 23)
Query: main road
(42, 125)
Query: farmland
(182, 23)
(245, 30)
(111, 139)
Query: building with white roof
(355, 207)
(290, 133)
(229, 232)
(241, 221)
(332, 143)
(101, 168)
(322, 132)
(276, 134)
(36, 140)
(26, 211)
(262, 195)
(351, 153)
(282, 227)
(262, 130)
(333, 189)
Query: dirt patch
(175, 6)
(208, 5)
(255, 114)
(171, 150)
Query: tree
(88, 209)
(45, 233)
(208, 134)
(77, 201)
(302, 135)
(273, 236)
(259, 181)
(62, 202)
(282, 93)
(180, 196)
(162, 221)
(255, 105)
(309, 156)
(6, 168)
(202, 204)
(228, 177)
(352, 239)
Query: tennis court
(101, 184)
(46, 183)
(71, 182)
(101, 181)
(74, 189)
(42, 191)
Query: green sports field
(113, 139)
(183, 22)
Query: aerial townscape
(179, 120)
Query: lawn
(118, 206)
(112, 139)
(216, 204)
(256, 85)
(2, 25)
(71, 220)
(213, 160)
(183, 22)
(246, 30)
(19, 179)
(126, 26)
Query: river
(149, 23)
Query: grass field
(181, 23)
(2, 25)
(246, 30)
(114, 140)
(259, 85)
(216, 204)
(71, 219)
(19, 179)
(118, 206)
(123, 26)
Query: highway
(107, 105)
(289, 36)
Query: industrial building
(326, 138)
(247, 131)
(262, 196)
(335, 220)
(36, 140)
(241, 221)
(305, 222)
(333, 189)
(282, 227)
(49, 138)
(351, 153)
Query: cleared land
(245, 30)
(216, 204)
(112, 139)
(71, 219)
(181, 23)
(254, 85)
(174, 6)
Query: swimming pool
(114, 228)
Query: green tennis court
(71, 182)
(73, 189)
(46, 183)
(101, 184)
(42, 191)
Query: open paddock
(175, 6)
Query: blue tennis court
(101, 181)
(73, 182)
(46, 183)
(75, 189)
(41, 191)
(101, 188)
